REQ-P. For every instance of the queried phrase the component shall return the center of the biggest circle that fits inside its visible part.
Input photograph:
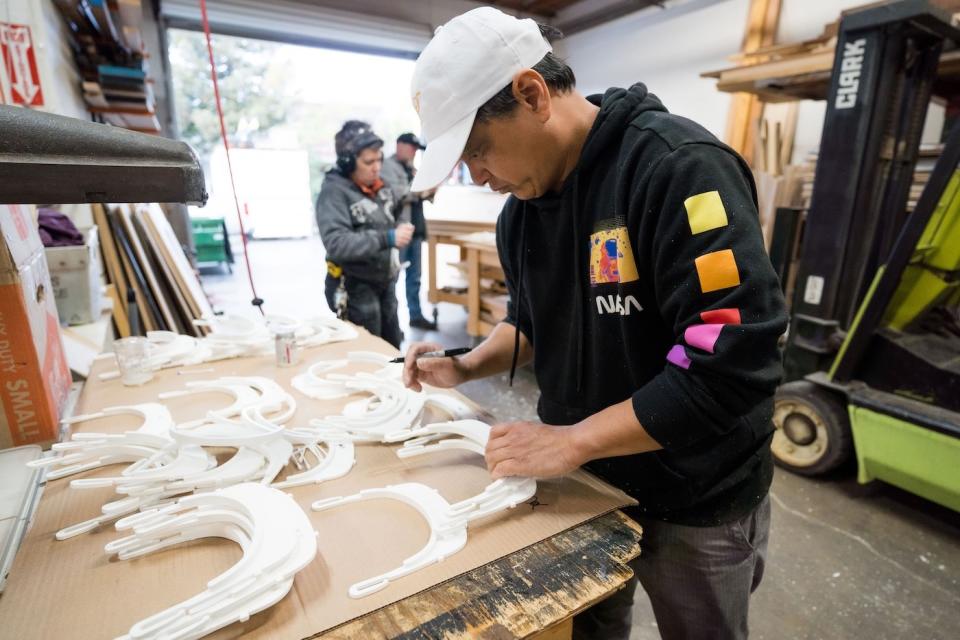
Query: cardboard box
(75, 276)
(34, 379)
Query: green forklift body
(912, 457)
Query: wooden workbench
(532, 591)
(457, 211)
(446, 232)
(482, 261)
(479, 260)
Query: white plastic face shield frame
(248, 391)
(263, 448)
(448, 534)
(87, 451)
(145, 447)
(332, 458)
(274, 533)
(320, 330)
(448, 522)
(391, 407)
(453, 406)
(317, 381)
(231, 328)
(250, 337)
(166, 349)
(113, 510)
(175, 461)
(189, 460)
(500, 495)
(236, 336)
(191, 468)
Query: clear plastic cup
(133, 360)
(286, 349)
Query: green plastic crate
(210, 240)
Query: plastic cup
(133, 360)
(286, 349)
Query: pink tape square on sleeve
(678, 356)
(703, 336)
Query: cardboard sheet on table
(72, 589)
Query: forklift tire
(812, 433)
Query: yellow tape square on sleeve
(717, 270)
(705, 212)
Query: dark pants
(413, 253)
(372, 305)
(699, 580)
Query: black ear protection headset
(361, 139)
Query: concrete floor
(845, 561)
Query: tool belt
(340, 295)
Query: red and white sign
(20, 64)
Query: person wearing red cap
(640, 292)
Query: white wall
(669, 49)
(59, 79)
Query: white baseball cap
(468, 61)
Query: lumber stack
(928, 156)
(149, 273)
(783, 72)
(763, 19)
(802, 70)
(107, 45)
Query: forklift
(872, 355)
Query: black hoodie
(646, 278)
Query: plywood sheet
(149, 315)
(146, 268)
(158, 224)
(179, 308)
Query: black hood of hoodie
(618, 107)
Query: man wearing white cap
(640, 291)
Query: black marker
(448, 353)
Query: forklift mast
(884, 71)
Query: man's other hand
(530, 449)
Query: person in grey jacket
(398, 171)
(362, 234)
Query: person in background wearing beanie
(641, 292)
(398, 171)
(355, 214)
